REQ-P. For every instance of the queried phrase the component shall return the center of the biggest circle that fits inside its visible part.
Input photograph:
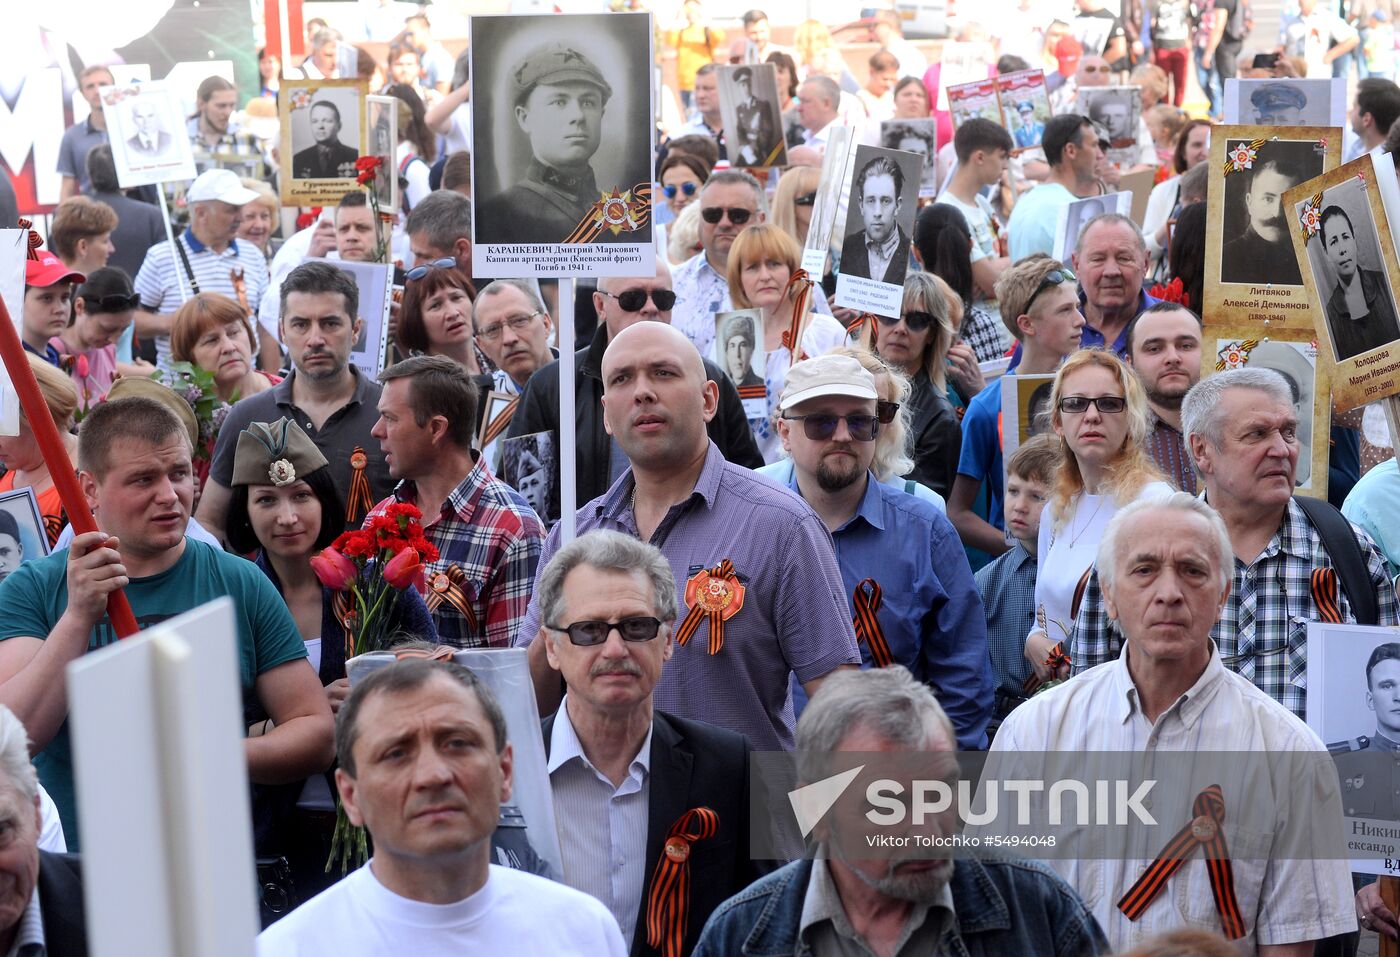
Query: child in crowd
(48, 299)
(1165, 122)
(1007, 585)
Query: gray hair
(607, 552)
(831, 90)
(888, 701)
(1201, 411)
(1110, 219)
(1192, 185)
(497, 286)
(1111, 544)
(14, 755)
(443, 216)
(738, 177)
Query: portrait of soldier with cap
(754, 135)
(1369, 765)
(1278, 104)
(1029, 130)
(529, 464)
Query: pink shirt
(92, 371)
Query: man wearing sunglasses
(622, 772)
(922, 610)
(763, 590)
(621, 303)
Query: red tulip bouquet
(368, 569)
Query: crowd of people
(809, 531)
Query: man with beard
(1263, 253)
(847, 899)
(931, 619)
(880, 251)
(1164, 349)
(1359, 309)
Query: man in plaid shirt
(1242, 433)
(487, 537)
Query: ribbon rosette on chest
(281, 473)
(713, 594)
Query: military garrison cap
(557, 62)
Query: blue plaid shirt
(1007, 586)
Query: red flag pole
(36, 410)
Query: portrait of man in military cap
(1369, 764)
(1278, 104)
(558, 133)
(1285, 102)
(1029, 130)
(749, 109)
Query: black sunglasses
(916, 319)
(886, 411)
(587, 633)
(634, 299)
(113, 302)
(687, 188)
(418, 272)
(820, 426)
(1051, 279)
(738, 215)
(1107, 404)
(806, 199)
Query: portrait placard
(562, 144)
(976, 99)
(1288, 101)
(1025, 411)
(1025, 107)
(828, 202)
(883, 202)
(382, 130)
(530, 465)
(1341, 236)
(323, 134)
(752, 117)
(14, 251)
(1253, 285)
(915, 136)
(1117, 111)
(1352, 673)
(1308, 382)
(375, 282)
(23, 537)
(146, 129)
(500, 409)
(1076, 215)
(738, 350)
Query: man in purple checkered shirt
(1164, 349)
(748, 556)
(487, 537)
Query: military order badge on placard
(562, 145)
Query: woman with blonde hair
(1099, 411)
(24, 460)
(793, 201)
(258, 219)
(762, 262)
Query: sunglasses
(114, 302)
(915, 319)
(806, 199)
(1051, 279)
(634, 299)
(588, 633)
(418, 272)
(738, 215)
(886, 411)
(821, 426)
(1096, 69)
(1107, 404)
(686, 188)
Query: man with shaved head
(757, 609)
(621, 303)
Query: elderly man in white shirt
(1165, 566)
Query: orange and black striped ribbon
(1207, 830)
(1056, 660)
(698, 613)
(668, 902)
(359, 502)
(446, 586)
(867, 600)
(496, 426)
(1324, 595)
(345, 614)
(590, 227)
(240, 288)
(802, 283)
(862, 330)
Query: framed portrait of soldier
(323, 134)
(375, 282)
(1078, 214)
(1353, 676)
(977, 99)
(883, 201)
(739, 352)
(562, 144)
(1344, 244)
(915, 136)
(1253, 286)
(495, 419)
(1308, 381)
(827, 203)
(1287, 101)
(1117, 112)
(146, 129)
(1025, 107)
(752, 117)
(382, 133)
(23, 536)
(530, 465)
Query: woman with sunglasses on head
(213, 333)
(103, 309)
(793, 201)
(1099, 411)
(435, 318)
(761, 263)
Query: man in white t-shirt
(983, 149)
(1319, 36)
(424, 767)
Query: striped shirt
(29, 931)
(1284, 897)
(1167, 446)
(487, 530)
(159, 280)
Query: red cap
(1067, 53)
(48, 270)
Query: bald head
(638, 339)
(657, 398)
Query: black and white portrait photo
(1116, 110)
(561, 131)
(883, 202)
(915, 136)
(148, 138)
(530, 465)
(1078, 214)
(382, 131)
(1290, 101)
(1257, 248)
(739, 344)
(22, 533)
(323, 134)
(749, 108)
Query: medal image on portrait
(883, 202)
(323, 134)
(562, 145)
(1287, 101)
(748, 106)
(147, 134)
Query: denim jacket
(1002, 907)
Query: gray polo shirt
(794, 618)
(73, 149)
(346, 430)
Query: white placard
(146, 127)
(828, 202)
(1290, 101)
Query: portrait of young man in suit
(880, 249)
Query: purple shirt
(794, 619)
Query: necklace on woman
(1073, 538)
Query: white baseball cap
(826, 375)
(221, 185)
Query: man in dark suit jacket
(328, 158)
(60, 891)
(880, 250)
(608, 602)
